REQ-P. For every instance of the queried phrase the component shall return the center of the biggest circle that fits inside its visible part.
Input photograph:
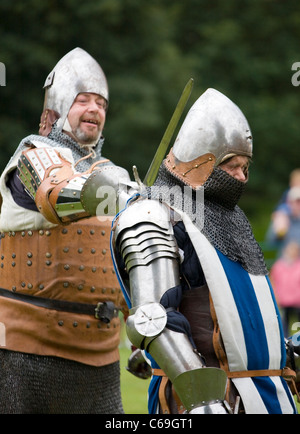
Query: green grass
(134, 390)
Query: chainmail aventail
(221, 220)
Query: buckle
(106, 311)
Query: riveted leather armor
(63, 263)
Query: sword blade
(166, 139)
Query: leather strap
(158, 372)
(42, 194)
(286, 373)
(218, 346)
(102, 311)
(193, 173)
(94, 166)
(162, 390)
(162, 396)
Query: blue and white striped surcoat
(250, 325)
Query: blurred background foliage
(149, 50)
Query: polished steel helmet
(214, 129)
(76, 72)
(214, 125)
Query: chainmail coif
(225, 224)
(58, 139)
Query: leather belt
(286, 373)
(103, 311)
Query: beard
(86, 138)
(82, 136)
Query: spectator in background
(294, 181)
(285, 225)
(285, 277)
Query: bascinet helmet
(214, 129)
(76, 72)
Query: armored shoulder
(144, 232)
(144, 211)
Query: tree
(148, 51)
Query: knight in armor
(60, 298)
(202, 309)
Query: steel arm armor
(62, 195)
(144, 237)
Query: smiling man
(86, 118)
(59, 297)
